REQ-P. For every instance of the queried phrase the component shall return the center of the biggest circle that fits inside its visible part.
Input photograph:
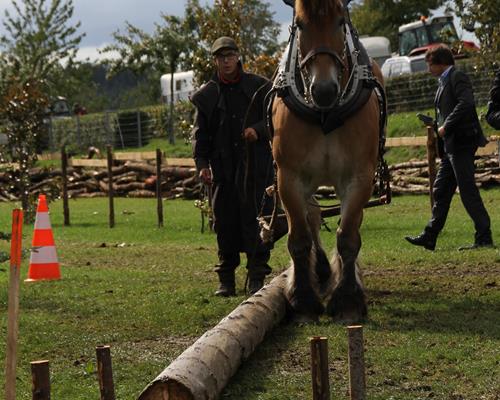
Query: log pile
(138, 179)
(413, 176)
(130, 179)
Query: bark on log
(204, 369)
(141, 194)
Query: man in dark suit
(493, 114)
(458, 126)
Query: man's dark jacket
(493, 114)
(455, 102)
(210, 145)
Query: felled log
(92, 195)
(409, 164)
(127, 187)
(141, 193)
(204, 369)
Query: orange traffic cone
(43, 259)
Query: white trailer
(183, 86)
(377, 47)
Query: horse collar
(291, 84)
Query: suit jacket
(493, 114)
(455, 104)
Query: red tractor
(416, 37)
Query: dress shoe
(225, 290)
(478, 245)
(254, 285)
(423, 240)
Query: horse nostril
(324, 94)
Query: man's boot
(227, 286)
(425, 240)
(257, 270)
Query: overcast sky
(100, 18)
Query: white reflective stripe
(42, 220)
(43, 255)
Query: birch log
(204, 369)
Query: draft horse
(328, 118)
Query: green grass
(432, 332)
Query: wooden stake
(105, 373)
(319, 368)
(40, 377)
(110, 186)
(431, 160)
(13, 305)
(357, 386)
(159, 204)
(64, 169)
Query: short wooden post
(319, 368)
(110, 186)
(431, 160)
(105, 373)
(40, 378)
(13, 304)
(64, 169)
(159, 204)
(357, 385)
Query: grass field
(433, 328)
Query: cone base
(38, 272)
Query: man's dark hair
(440, 54)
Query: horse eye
(299, 24)
(342, 21)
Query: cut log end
(169, 390)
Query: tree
(22, 106)
(484, 17)
(383, 17)
(249, 22)
(39, 37)
(157, 53)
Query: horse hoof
(347, 309)
(306, 305)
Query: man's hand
(250, 135)
(206, 176)
(441, 131)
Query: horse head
(321, 36)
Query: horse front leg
(299, 291)
(348, 300)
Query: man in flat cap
(232, 152)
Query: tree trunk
(204, 369)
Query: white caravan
(183, 86)
(377, 47)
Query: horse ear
(290, 3)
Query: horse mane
(314, 10)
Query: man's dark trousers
(237, 231)
(457, 169)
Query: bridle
(339, 60)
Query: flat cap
(224, 42)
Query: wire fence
(416, 92)
(125, 129)
(121, 129)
